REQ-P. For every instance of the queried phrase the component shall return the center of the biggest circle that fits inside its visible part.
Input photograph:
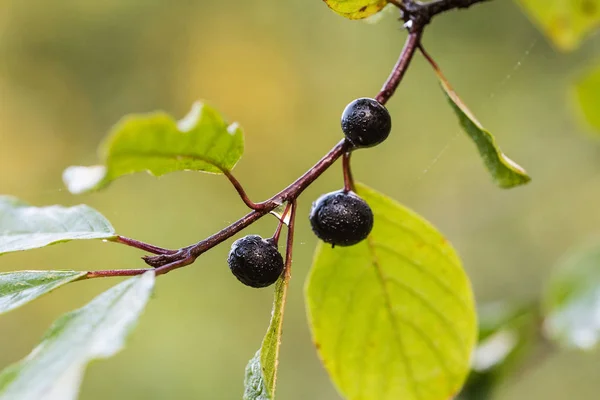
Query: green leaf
(587, 92)
(356, 9)
(254, 383)
(507, 334)
(565, 22)
(55, 368)
(24, 227)
(572, 299)
(21, 287)
(156, 143)
(261, 371)
(393, 317)
(505, 172)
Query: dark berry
(255, 261)
(366, 122)
(341, 218)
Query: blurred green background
(69, 69)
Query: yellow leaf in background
(356, 9)
(565, 22)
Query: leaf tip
(79, 179)
(190, 121)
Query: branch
(417, 16)
(141, 245)
(390, 86)
(290, 193)
(440, 6)
(348, 178)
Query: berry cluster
(340, 218)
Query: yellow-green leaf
(393, 317)
(356, 9)
(587, 92)
(156, 143)
(505, 172)
(565, 22)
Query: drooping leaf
(505, 172)
(572, 299)
(356, 9)
(55, 368)
(565, 22)
(393, 317)
(507, 333)
(24, 227)
(21, 287)
(587, 92)
(261, 371)
(156, 143)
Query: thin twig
(115, 272)
(390, 86)
(348, 178)
(436, 7)
(141, 245)
(241, 192)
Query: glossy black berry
(341, 218)
(366, 122)
(255, 261)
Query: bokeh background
(69, 69)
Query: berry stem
(348, 178)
